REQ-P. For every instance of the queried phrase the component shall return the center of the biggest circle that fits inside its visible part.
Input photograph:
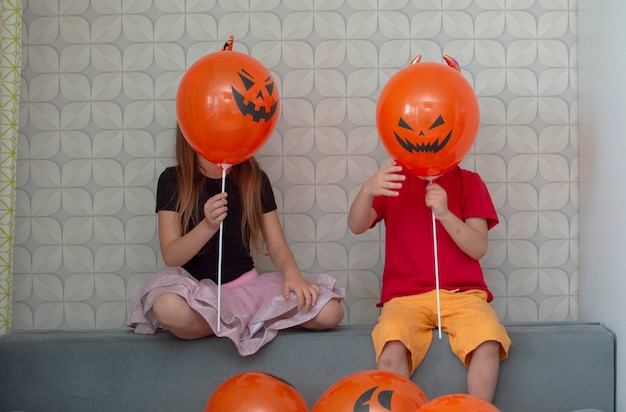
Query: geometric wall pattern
(97, 115)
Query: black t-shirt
(236, 257)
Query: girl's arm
(285, 263)
(178, 249)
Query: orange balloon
(256, 392)
(427, 117)
(227, 106)
(458, 403)
(373, 391)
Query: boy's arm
(385, 182)
(469, 235)
(361, 215)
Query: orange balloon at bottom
(372, 391)
(258, 392)
(458, 403)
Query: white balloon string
(219, 258)
(436, 259)
(436, 273)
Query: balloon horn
(229, 43)
(417, 59)
(452, 62)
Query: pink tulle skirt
(253, 308)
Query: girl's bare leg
(329, 317)
(175, 315)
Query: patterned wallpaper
(96, 129)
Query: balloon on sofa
(372, 391)
(427, 117)
(458, 403)
(258, 392)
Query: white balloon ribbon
(436, 257)
(224, 168)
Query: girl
(183, 298)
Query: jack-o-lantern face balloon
(227, 106)
(427, 117)
(458, 402)
(371, 391)
(258, 392)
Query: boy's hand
(437, 200)
(385, 182)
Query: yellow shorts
(466, 317)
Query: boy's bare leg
(482, 375)
(394, 358)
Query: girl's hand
(215, 210)
(306, 292)
(385, 182)
(437, 200)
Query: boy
(464, 213)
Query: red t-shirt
(409, 252)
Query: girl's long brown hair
(246, 176)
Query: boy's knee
(490, 349)
(394, 358)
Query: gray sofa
(552, 367)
